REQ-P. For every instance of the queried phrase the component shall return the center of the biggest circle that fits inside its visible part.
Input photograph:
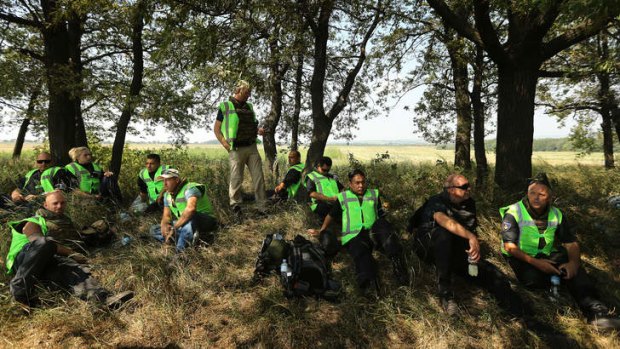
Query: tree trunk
(320, 134)
(273, 119)
(608, 139)
(62, 120)
(23, 128)
(75, 26)
(322, 121)
(515, 126)
(299, 75)
(482, 167)
(606, 100)
(460, 81)
(134, 89)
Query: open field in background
(340, 153)
(206, 299)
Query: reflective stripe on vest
(86, 182)
(19, 239)
(178, 205)
(356, 217)
(153, 187)
(47, 179)
(324, 185)
(292, 189)
(529, 236)
(230, 124)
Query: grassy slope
(207, 301)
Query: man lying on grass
(35, 255)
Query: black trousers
(447, 252)
(38, 262)
(579, 286)
(381, 235)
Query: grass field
(206, 299)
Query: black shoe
(236, 213)
(598, 315)
(448, 304)
(401, 274)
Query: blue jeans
(183, 236)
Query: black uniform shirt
(464, 213)
(292, 176)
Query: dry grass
(207, 300)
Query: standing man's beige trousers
(238, 159)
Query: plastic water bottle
(472, 269)
(284, 268)
(555, 282)
(126, 240)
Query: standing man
(445, 235)
(151, 190)
(364, 226)
(36, 255)
(44, 178)
(288, 188)
(187, 211)
(236, 128)
(538, 242)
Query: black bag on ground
(307, 273)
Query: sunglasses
(43, 161)
(463, 187)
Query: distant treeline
(544, 144)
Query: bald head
(294, 157)
(55, 202)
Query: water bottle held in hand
(472, 269)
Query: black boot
(401, 274)
(599, 316)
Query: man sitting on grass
(187, 211)
(538, 243)
(36, 255)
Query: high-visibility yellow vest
(19, 239)
(529, 236)
(356, 217)
(324, 185)
(153, 187)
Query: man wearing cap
(37, 254)
(44, 178)
(538, 242)
(290, 185)
(444, 234)
(364, 226)
(150, 198)
(236, 128)
(187, 211)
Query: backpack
(308, 271)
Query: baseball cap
(169, 173)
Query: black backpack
(308, 268)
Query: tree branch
(570, 37)
(19, 20)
